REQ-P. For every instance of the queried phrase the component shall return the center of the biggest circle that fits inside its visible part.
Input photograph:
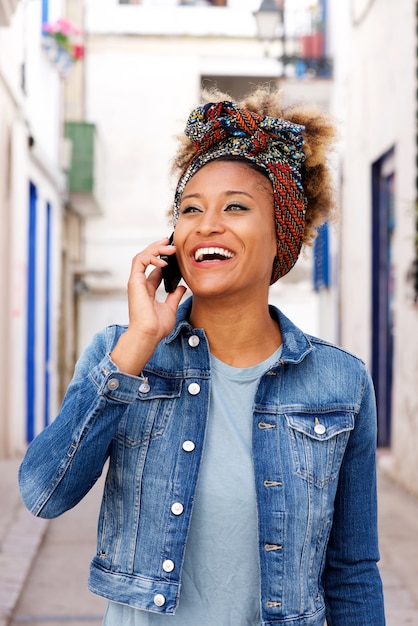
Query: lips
(212, 253)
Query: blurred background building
(86, 141)
(32, 187)
(374, 94)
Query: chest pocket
(148, 417)
(318, 443)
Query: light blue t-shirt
(221, 578)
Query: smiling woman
(241, 487)
(225, 238)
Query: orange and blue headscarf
(222, 129)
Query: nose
(210, 222)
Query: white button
(193, 389)
(144, 388)
(177, 508)
(113, 384)
(319, 429)
(188, 446)
(168, 565)
(159, 599)
(194, 341)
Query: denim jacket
(314, 435)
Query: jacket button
(159, 599)
(168, 565)
(144, 387)
(194, 341)
(320, 429)
(177, 508)
(112, 384)
(193, 389)
(188, 446)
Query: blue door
(31, 316)
(38, 344)
(47, 309)
(383, 226)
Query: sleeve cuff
(114, 384)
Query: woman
(241, 487)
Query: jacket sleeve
(352, 583)
(64, 461)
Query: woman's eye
(189, 209)
(236, 207)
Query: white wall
(32, 111)
(13, 268)
(375, 98)
(375, 61)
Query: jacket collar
(296, 344)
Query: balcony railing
(84, 171)
(311, 59)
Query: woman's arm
(352, 583)
(65, 460)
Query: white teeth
(200, 253)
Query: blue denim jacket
(314, 434)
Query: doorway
(383, 228)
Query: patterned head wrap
(222, 129)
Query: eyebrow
(229, 192)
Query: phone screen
(171, 272)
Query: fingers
(173, 299)
(149, 258)
(151, 255)
(147, 315)
(154, 278)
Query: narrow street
(56, 589)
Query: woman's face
(225, 236)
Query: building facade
(374, 47)
(32, 191)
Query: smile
(212, 254)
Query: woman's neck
(241, 335)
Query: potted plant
(63, 44)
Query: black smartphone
(171, 271)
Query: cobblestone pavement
(44, 564)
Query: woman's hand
(149, 319)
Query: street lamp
(269, 15)
(267, 18)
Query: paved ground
(44, 565)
